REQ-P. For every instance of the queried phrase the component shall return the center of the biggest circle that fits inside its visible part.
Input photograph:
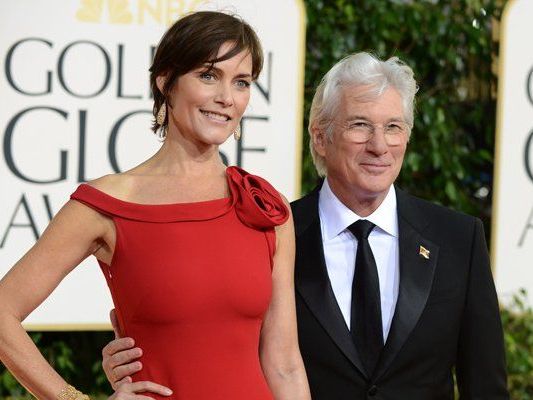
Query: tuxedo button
(373, 390)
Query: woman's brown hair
(195, 40)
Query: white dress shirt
(340, 248)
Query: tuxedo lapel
(418, 259)
(312, 281)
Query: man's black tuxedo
(446, 314)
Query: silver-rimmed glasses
(361, 131)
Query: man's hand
(120, 361)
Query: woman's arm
(279, 352)
(76, 232)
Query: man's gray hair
(359, 69)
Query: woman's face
(208, 103)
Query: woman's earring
(161, 114)
(237, 132)
(160, 119)
(162, 133)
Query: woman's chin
(207, 138)
(215, 140)
(220, 138)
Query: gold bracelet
(71, 393)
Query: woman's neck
(178, 156)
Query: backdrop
(512, 240)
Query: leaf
(451, 190)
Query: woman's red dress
(191, 283)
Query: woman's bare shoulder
(116, 185)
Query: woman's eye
(243, 84)
(206, 76)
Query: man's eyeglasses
(360, 131)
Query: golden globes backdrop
(76, 105)
(512, 234)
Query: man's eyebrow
(362, 117)
(354, 117)
(396, 119)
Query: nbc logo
(136, 11)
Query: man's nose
(378, 143)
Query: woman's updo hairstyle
(195, 40)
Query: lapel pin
(424, 252)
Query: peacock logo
(136, 11)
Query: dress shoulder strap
(97, 200)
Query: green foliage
(518, 323)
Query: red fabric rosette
(258, 204)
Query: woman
(198, 257)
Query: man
(393, 292)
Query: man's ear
(319, 138)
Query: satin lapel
(418, 259)
(312, 283)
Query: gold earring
(160, 120)
(237, 132)
(161, 114)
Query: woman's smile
(216, 117)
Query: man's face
(365, 170)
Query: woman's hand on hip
(128, 391)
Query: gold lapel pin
(424, 252)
